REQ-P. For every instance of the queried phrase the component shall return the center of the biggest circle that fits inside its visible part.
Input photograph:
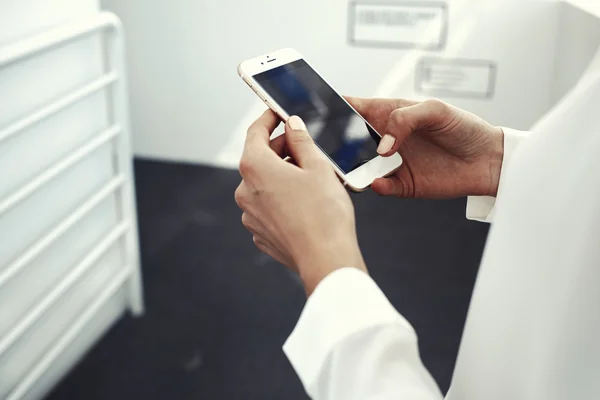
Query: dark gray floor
(218, 311)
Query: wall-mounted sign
(456, 77)
(401, 24)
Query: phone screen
(334, 125)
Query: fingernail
(385, 144)
(296, 123)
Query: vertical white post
(119, 108)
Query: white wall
(21, 18)
(578, 41)
(188, 103)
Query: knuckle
(397, 118)
(397, 114)
(246, 221)
(246, 166)
(402, 102)
(252, 128)
(258, 242)
(240, 197)
(437, 105)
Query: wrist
(496, 156)
(314, 266)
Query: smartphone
(290, 86)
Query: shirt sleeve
(350, 343)
(481, 208)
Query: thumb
(301, 146)
(405, 121)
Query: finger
(252, 224)
(405, 121)
(300, 145)
(257, 155)
(278, 146)
(260, 131)
(391, 186)
(258, 231)
(242, 196)
(266, 247)
(377, 111)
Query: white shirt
(533, 327)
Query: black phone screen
(333, 124)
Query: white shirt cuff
(346, 302)
(481, 208)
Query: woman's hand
(447, 152)
(300, 214)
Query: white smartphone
(290, 86)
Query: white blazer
(533, 328)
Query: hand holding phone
(298, 214)
(447, 152)
(290, 86)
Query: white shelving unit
(69, 263)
